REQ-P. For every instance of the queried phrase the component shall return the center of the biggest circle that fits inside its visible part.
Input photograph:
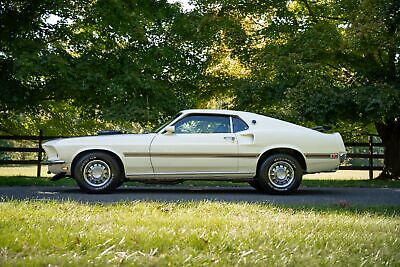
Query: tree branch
(334, 18)
(310, 11)
(315, 18)
(7, 131)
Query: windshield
(167, 122)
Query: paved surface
(305, 196)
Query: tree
(118, 60)
(318, 62)
(107, 60)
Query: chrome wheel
(281, 174)
(97, 173)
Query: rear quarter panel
(315, 147)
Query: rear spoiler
(110, 132)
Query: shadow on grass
(212, 190)
(33, 181)
(343, 208)
(340, 207)
(306, 198)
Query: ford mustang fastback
(271, 155)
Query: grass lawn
(195, 234)
(51, 233)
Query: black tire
(280, 174)
(120, 183)
(254, 183)
(90, 165)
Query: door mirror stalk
(170, 129)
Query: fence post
(371, 160)
(39, 158)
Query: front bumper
(51, 162)
(58, 166)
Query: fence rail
(40, 138)
(38, 149)
(370, 156)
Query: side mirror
(170, 129)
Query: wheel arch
(283, 150)
(87, 151)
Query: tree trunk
(389, 132)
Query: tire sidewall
(264, 181)
(112, 183)
(255, 184)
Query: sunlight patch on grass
(23, 171)
(195, 233)
(341, 175)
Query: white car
(272, 155)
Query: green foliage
(105, 60)
(315, 61)
(113, 63)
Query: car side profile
(270, 154)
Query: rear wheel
(98, 172)
(280, 174)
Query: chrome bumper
(58, 166)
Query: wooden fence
(37, 149)
(370, 156)
(40, 138)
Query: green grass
(195, 234)
(28, 181)
(45, 181)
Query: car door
(201, 144)
(248, 151)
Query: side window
(203, 124)
(239, 125)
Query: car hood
(101, 139)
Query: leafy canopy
(108, 60)
(138, 61)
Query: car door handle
(247, 134)
(232, 138)
(246, 138)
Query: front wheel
(98, 172)
(280, 174)
(254, 183)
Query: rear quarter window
(239, 125)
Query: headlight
(51, 152)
